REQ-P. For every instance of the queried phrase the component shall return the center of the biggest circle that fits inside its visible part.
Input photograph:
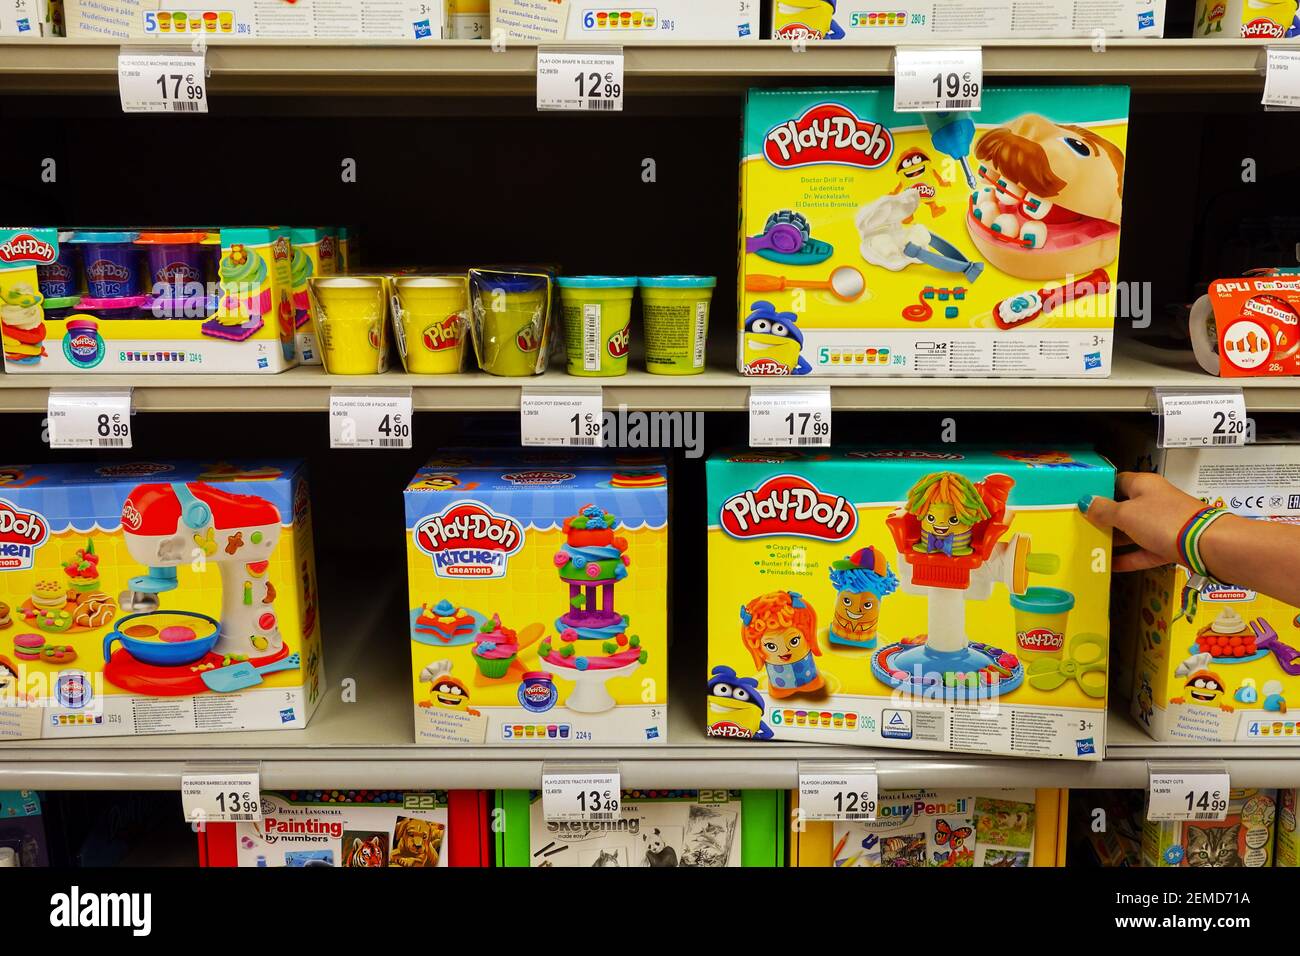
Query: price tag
(574, 418)
(221, 797)
(89, 418)
(933, 81)
(1199, 795)
(370, 419)
(789, 418)
(580, 80)
(1282, 78)
(1205, 419)
(581, 796)
(162, 82)
(838, 795)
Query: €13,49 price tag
(571, 80)
(932, 81)
(581, 796)
(785, 418)
(562, 418)
(838, 795)
(370, 421)
(162, 82)
(1211, 419)
(89, 419)
(221, 797)
(1188, 796)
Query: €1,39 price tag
(221, 797)
(562, 418)
(785, 418)
(838, 795)
(1188, 796)
(162, 82)
(581, 796)
(580, 80)
(933, 81)
(89, 418)
(1210, 419)
(370, 421)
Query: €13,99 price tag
(162, 82)
(221, 797)
(581, 796)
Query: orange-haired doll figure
(780, 630)
(948, 505)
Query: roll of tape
(1204, 334)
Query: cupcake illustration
(242, 274)
(495, 648)
(83, 569)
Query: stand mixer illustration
(949, 552)
(177, 652)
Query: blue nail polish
(1085, 503)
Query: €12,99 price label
(838, 795)
(588, 80)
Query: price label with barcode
(556, 419)
(1188, 796)
(1203, 420)
(587, 80)
(838, 795)
(360, 420)
(162, 82)
(935, 81)
(579, 797)
(789, 418)
(221, 797)
(1282, 79)
(89, 418)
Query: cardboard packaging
(665, 21)
(1249, 327)
(31, 18)
(1243, 839)
(940, 598)
(1247, 19)
(262, 19)
(538, 602)
(875, 243)
(23, 842)
(315, 253)
(154, 597)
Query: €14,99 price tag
(89, 419)
(162, 82)
(581, 796)
(932, 81)
(838, 795)
(572, 80)
(221, 797)
(1188, 796)
(786, 418)
(370, 421)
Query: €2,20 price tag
(587, 80)
(933, 81)
(221, 797)
(785, 418)
(562, 418)
(838, 795)
(581, 796)
(162, 82)
(1210, 419)
(1188, 796)
(370, 421)
(90, 418)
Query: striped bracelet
(1188, 545)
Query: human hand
(1149, 514)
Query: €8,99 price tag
(838, 795)
(370, 421)
(221, 797)
(587, 80)
(562, 418)
(1203, 420)
(581, 796)
(932, 81)
(789, 418)
(162, 82)
(1188, 796)
(89, 419)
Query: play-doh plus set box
(1243, 839)
(355, 828)
(315, 253)
(1227, 668)
(655, 828)
(154, 597)
(944, 828)
(964, 20)
(142, 302)
(1248, 19)
(538, 601)
(938, 244)
(940, 598)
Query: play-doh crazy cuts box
(538, 602)
(943, 244)
(156, 597)
(941, 598)
(1243, 839)
(654, 828)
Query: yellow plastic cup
(351, 312)
(675, 313)
(1041, 616)
(597, 316)
(510, 310)
(432, 315)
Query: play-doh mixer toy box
(538, 601)
(939, 244)
(155, 597)
(943, 598)
(92, 301)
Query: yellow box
(1248, 19)
(315, 253)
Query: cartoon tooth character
(772, 342)
(948, 505)
(445, 690)
(861, 581)
(780, 631)
(736, 707)
(916, 171)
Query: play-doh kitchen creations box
(941, 598)
(156, 597)
(348, 19)
(1248, 19)
(963, 20)
(538, 601)
(944, 244)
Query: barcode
(1205, 816)
(242, 818)
(110, 442)
(600, 816)
(392, 443)
(185, 107)
(958, 104)
(858, 816)
(807, 440)
(582, 441)
(1223, 439)
(602, 104)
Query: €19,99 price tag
(1188, 796)
(221, 797)
(89, 419)
(838, 795)
(162, 82)
(581, 796)
(587, 80)
(932, 81)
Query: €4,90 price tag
(162, 82)
(587, 80)
(838, 795)
(562, 418)
(933, 81)
(1211, 419)
(581, 796)
(221, 797)
(1188, 796)
(89, 419)
(370, 421)
(784, 418)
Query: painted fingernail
(1085, 503)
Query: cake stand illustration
(170, 652)
(950, 551)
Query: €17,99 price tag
(1188, 796)
(788, 418)
(370, 421)
(572, 80)
(838, 795)
(581, 796)
(162, 82)
(221, 797)
(1211, 419)
(89, 419)
(931, 81)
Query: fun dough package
(935, 598)
(941, 244)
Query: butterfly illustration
(946, 835)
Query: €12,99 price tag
(1188, 796)
(221, 797)
(162, 82)
(370, 421)
(581, 796)
(89, 419)
(786, 418)
(588, 80)
(1206, 420)
(932, 81)
(838, 795)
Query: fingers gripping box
(937, 598)
(538, 608)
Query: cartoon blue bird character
(736, 707)
(772, 343)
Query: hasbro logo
(24, 25)
(423, 29)
(1146, 19)
(1084, 746)
(652, 733)
(1092, 360)
(262, 362)
(287, 715)
(744, 29)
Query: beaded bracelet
(1188, 545)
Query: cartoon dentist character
(780, 631)
(861, 581)
(917, 172)
(948, 505)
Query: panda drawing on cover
(657, 851)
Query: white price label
(89, 418)
(1188, 796)
(573, 80)
(162, 82)
(581, 796)
(1282, 79)
(1211, 419)
(834, 795)
(562, 418)
(934, 81)
(370, 421)
(789, 418)
(221, 797)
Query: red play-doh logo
(468, 540)
(326, 248)
(21, 533)
(617, 345)
(280, 249)
(788, 506)
(538, 477)
(1262, 28)
(766, 366)
(25, 247)
(528, 340)
(443, 335)
(1040, 639)
(828, 133)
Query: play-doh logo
(443, 335)
(617, 345)
(469, 540)
(326, 248)
(21, 533)
(1040, 639)
(828, 133)
(134, 469)
(24, 247)
(106, 270)
(527, 339)
(908, 454)
(539, 477)
(1262, 28)
(281, 250)
(174, 272)
(790, 506)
